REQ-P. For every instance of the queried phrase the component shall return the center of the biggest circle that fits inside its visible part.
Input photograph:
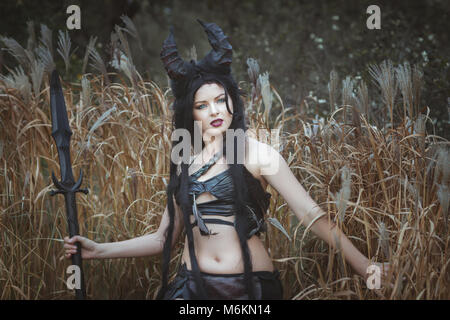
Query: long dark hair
(178, 184)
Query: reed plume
(384, 78)
(387, 189)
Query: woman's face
(211, 110)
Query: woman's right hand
(89, 248)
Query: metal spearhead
(60, 128)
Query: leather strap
(197, 174)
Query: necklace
(214, 158)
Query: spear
(67, 186)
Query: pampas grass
(131, 29)
(89, 47)
(333, 89)
(363, 100)
(384, 77)
(98, 63)
(46, 57)
(46, 38)
(64, 45)
(343, 195)
(16, 50)
(388, 189)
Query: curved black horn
(175, 66)
(222, 51)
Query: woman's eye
(202, 106)
(221, 100)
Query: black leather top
(222, 188)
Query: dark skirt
(225, 286)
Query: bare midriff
(221, 253)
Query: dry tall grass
(387, 188)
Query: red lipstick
(217, 123)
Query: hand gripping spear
(67, 186)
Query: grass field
(385, 180)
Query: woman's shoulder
(262, 157)
(260, 152)
(257, 158)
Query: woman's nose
(213, 109)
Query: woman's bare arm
(147, 245)
(278, 174)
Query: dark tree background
(297, 41)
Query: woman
(220, 201)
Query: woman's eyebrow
(222, 94)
